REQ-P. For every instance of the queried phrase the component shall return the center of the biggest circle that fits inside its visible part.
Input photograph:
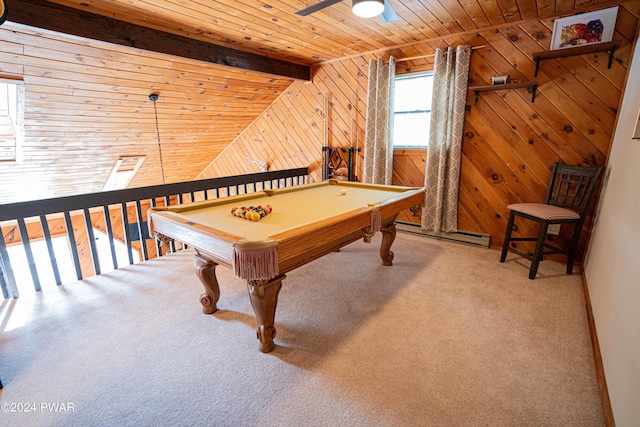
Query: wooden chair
(571, 190)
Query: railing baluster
(172, 243)
(112, 246)
(52, 254)
(10, 290)
(24, 237)
(92, 241)
(3, 284)
(126, 232)
(156, 241)
(72, 244)
(143, 242)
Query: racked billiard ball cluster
(253, 213)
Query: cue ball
(343, 192)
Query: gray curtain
(378, 145)
(450, 78)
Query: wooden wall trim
(597, 356)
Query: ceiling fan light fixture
(367, 8)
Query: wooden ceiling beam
(67, 20)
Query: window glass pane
(412, 110)
(411, 130)
(8, 120)
(413, 93)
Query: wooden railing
(76, 217)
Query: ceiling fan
(362, 8)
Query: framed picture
(584, 29)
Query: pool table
(306, 222)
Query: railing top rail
(70, 203)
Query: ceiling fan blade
(316, 7)
(388, 14)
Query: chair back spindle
(572, 187)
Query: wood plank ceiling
(272, 28)
(87, 102)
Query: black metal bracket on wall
(531, 87)
(579, 50)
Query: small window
(11, 118)
(122, 172)
(412, 110)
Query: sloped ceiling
(87, 102)
(272, 28)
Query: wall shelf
(578, 50)
(532, 86)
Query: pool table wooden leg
(206, 271)
(264, 298)
(388, 236)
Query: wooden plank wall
(87, 104)
(289, 134)
(510, 143)
(408, 169)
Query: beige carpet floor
(447, 336)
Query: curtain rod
(411, 58)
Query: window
(11, 117)
(122, 172)
(412, 110)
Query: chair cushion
(544, 211)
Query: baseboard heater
(466, 237)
